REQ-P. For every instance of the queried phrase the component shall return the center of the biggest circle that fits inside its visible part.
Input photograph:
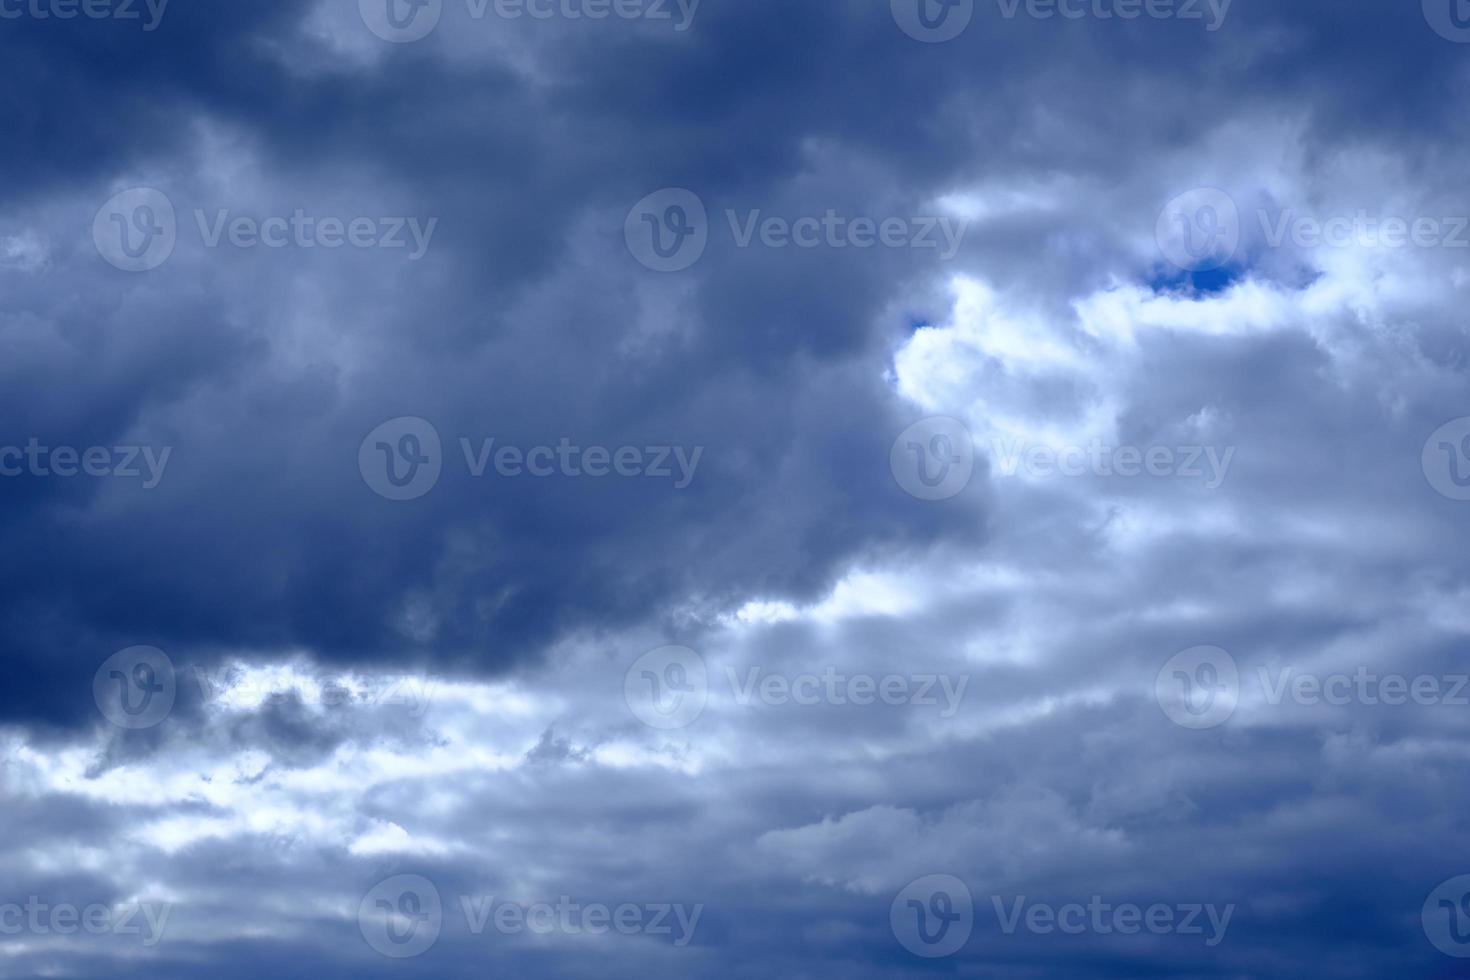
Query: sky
(734, 488)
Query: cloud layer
(797, 488)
